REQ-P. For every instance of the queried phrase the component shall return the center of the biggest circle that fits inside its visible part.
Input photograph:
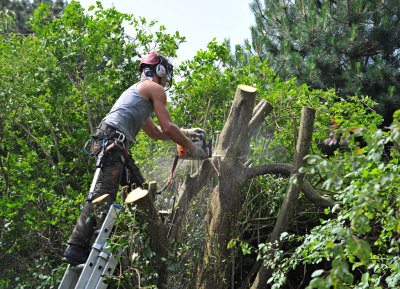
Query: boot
(75, 254)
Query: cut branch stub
(305, 136)
(236, 126)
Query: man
(130, 113)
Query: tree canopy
(22, 10)
(351, 46)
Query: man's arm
(154, 131)
(167, 130)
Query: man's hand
(197, 153)
(193, 132)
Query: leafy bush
(56, 85)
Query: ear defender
(147, 72)
(161, 71)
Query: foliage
(351, 46)
(23, 10)
(360, 235)
(137, 262)
(343, 45)
(337, 120)
(56, 85)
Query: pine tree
(349, 45)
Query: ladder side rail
(109, 268)
(97, 248)
(98, 271)
(70, 278)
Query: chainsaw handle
(182, 152)
(200, 141)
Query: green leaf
(231, 244)
(360, 223)
(364, 251)
(317, 273)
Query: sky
(199, 21)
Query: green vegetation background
(59, 81)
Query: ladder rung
(77, 267)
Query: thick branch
(269, 169)
(302, 148)
(236, 126)
(305, 136)
(285, 170)
(258, 106)
(259, 114)
(313, 195)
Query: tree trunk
(225, 201)
(224, 205)
(289, 203)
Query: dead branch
(289, 203)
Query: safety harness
(117, 142)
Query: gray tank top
(129, 113)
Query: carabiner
(121, 136)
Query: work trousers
(108, 183)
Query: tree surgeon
(130, 113)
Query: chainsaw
(183, 153)
(199, 141)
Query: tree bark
(224, 205)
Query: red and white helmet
(158, 64)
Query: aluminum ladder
(101, 262)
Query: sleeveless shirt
(129, 113)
